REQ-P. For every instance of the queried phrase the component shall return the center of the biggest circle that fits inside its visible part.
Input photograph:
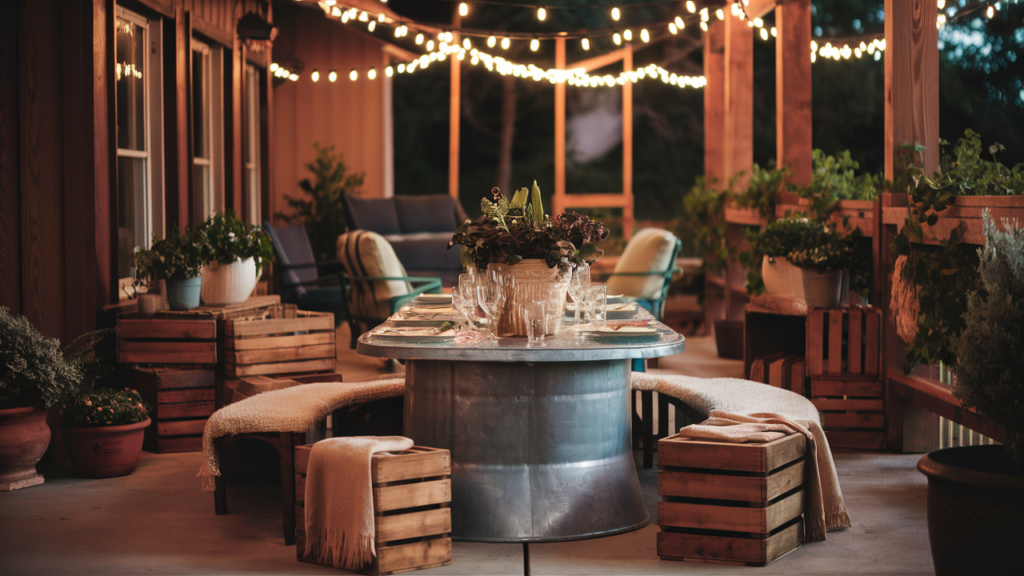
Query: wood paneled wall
(350, 115)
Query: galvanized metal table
(539, 436)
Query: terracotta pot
(534, 281)
(975, 510)
(782, 278)
(24, 437)
(227, 284)
(822, 289)
(104, 451)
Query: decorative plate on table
(413, 334)
(433, 300)
(619, 333)
(425, 312)
(613, 311)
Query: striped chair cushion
(366, 254)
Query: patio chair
(375, 284)
(302, 279)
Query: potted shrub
(822, 256)
(976, 493)
(775, 242)
(519, 237)
(178, 260)
(34, 377)
(103, 432)
(236, 255)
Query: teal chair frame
(657, 305)
(427, 285)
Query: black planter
(975, 511)
(729, 338)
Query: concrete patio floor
(159, 521)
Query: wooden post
(738, 144)
(793, 88)
(559, 127)
(177, 36)
(453, 118)
(714, 161)
(911, 117)
(627, 148)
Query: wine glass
(577, 284)
(490, 297)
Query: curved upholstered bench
(697, 397)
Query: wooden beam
(714, 103)
(454, 109)
(594, 201)
(601, 61)
(559, 123)
(793, 88)
(758, 8)
(739, 101)
(939, 398)
(627, 147)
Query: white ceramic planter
(782, 278)
(822, 289)
(534, 282)
(227, 284)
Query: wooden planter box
(180, 403)
(965, 214)
(281, 340)
(731, 503)
(745, 216)
(855, 213)
(411, 497)
(166, 339)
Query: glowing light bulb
(679, 23)
(371, 26)
(372, 73)
(332, 76)
(615, 14)
(505, 43)
(294, 77)
(336, 12)
(401, 68)
(463, 9)
(353, 75)
(448, 37)
(534, 44)
(585, 43)
(645, 35)
(430, 45)
(466, 44)
(617, 39)
(942, 4)
(721, 13)
(704, 15)
(491, 42)
(345, 18)
(315, 76)
(274, 66)
(990, 12)
(628, 35)
(691, 7)
(672, 28)
(764, 34)
(758, 22)
(419, 39)
(775, 32)
(364, 17)
(703, 25)
(380, 17)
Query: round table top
(567, 347)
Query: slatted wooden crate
(280, 340)
(843, 341)
(730, 503)
(166, 339)
(180, 403)
(852, 410)
(411, 496)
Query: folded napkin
(339, 499)
(414, 332)
(824, 509)
(430, 311)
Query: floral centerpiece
(177, 259)
(236, 254)
(516, 237)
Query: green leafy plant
(33, 369)
(990, 349)
(943, 274)
(106, 408)
(822, 248)
(783, 236)
(509, 231)
(320, 208)
(176, 257)
(834, 179)
(763, 189)
(229, 239)
(702, 226)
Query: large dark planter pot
(975, 510)
(24, 437)
(729, 339)
(105, 451)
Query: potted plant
(518, 237)
(236, 254)
(976, 493)
(34, 377)
(178, 260)
(822, 256)
(775, 242)
(103, 432)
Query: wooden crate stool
(411, 497)
(730, 503)
(180, 403)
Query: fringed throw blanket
(294, 409)
(745, 399)
(339, 499)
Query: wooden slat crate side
(304, 322)
(857, 439)
(184, 410)
(166, 352)
(855, 340)
(413, 556)
(835, 342)
(174, 379)
(283, 354)
(797, 376)
(271, 342)
(184, 395)
(181, 427)
(319, 365)
(413, 525)
(833, 420)
(684, 452)
(140, 327)
(728, 549)
(872, 334)
(397, 497)
(851, 386)
(426, 463)
(731, 518)
(691, 484)
(815, 342)
(847, 405)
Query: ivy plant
(702, 226)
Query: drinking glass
(464, 308)
(536, 323)
(597, 303)
(579, 281)
(491, 300)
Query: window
(251, 150)
(207, 131)
(131, 73)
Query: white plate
(620, 333)
(412, 334)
